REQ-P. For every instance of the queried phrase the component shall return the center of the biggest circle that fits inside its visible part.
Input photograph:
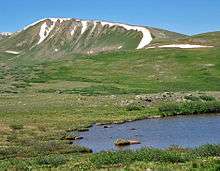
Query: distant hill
(66, 35)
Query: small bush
(12, 137)
(207, 98)
(208, 150)
(16, 126)
(134, 106)
(192, 98)
(53, 161)
(61, 147)
(177, 148)
(6, 152)
(190, 108)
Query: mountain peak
(72, 35)
(47, 28)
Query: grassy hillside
(134, 72)
(212, 37)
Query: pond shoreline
(151, 131)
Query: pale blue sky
(184, 16)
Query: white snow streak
(6, 33)
(146, 39)
(73, 31)
(45, 30)
(184, 46)
(12, 52)
(84, 26)
(95, 23)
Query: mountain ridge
(82, 36)
(54, 36)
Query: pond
(185, 131)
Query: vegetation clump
(16, 126)
(53, 161)
(192, 98)
(207, 98)
(134, 106)
(186, 108)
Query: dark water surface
(185, 131)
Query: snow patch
(151, 47)
(45, 30)
(6, 33)
(184, 46)
(94, 26)
(12, 52)
(84, 26)
(146, 39)
(73, 31)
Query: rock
(148, 100)
(118, 122)
(83, 129)
(132, 142)
(101, 124)
(124, 142)
(107, 126)
(78, 138)
(72, 138)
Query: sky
(183, 16)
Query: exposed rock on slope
(55, 35)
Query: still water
(185, 131)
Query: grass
(150, 155)
(202, 158)
(136, 72)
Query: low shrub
(145, 155)
(208, 150)
(60, 147)
(207, 98)
(7, 152)
(12, 137)
(185, 108)
(16, 126)
(192, 98)
(53, 161)
(134, 106)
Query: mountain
(211, 38)
(4, 34)
(66, 35)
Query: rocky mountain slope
(4, 34)
(66, 35)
